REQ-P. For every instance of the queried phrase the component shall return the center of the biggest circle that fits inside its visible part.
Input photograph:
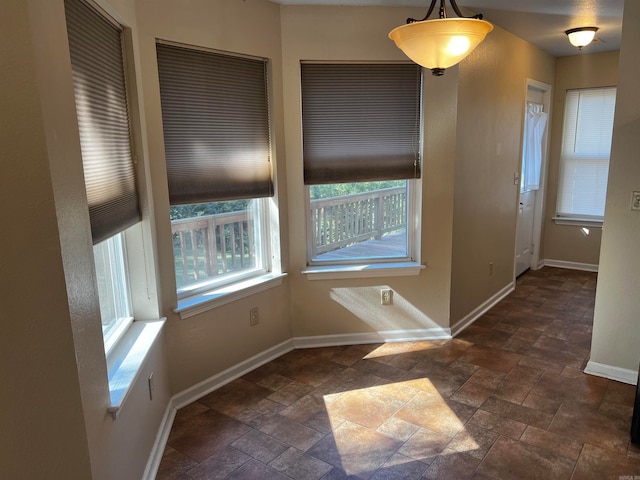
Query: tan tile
(472, 440)
(366, 407)
(493, 359)
(596, 464)
(296, 464)
(254, 470)
(174, 464)
(541, 364)
(517, 412)
(451, 466)
(291, 392)
(260, 446)
(397, 428)
(544, 404)
(400, 467)
(524, 375)
(588, 426)
(512, 392)
(355, 449)
(274, 382)
(208, 433)
(503, 426)
(291, 433)
(218, 466)
(235, 396)
(564, 446)
(401, 391)
(436, 414)
(586, 388)
(424, 445)
(510, 459)
(618, 392)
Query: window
(95, 44)
(113, 289)
(361, 143)
(215, 117)
(586, 145)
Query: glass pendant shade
(440, 43)
(581, 37)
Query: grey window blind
(95, 45)
(215, 117)
(360, 122)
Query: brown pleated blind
(360, 122)
(103, 120)
(215, 117)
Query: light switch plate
(635, 200)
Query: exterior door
(524, 238)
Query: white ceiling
(541, 22)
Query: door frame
(547, 91)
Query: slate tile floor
(506, 399)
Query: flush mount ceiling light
(581, 37)
(443, 42)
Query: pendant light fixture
(581, 37)
(443, 42)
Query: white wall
(616, 328)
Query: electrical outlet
(386, 296)
(253, 317)
(635, 200)
(151, 386)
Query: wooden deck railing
(341, 221)
(212, 245)
(217, 244)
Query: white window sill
(201, 302)
(578, 222)
(125, 360)
(333, 272)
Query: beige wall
(68, 401)
(491, 100)
(616, 327)
(330, 307)
(563, 242)
(40, 395)
(473, 122)
(206, 344)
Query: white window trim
(336, 272)
(125, 360)
(578, 221)
(216, 297)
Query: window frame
(376, 266)
(576, 219)
(128, 348)
(212, 293)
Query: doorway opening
(532, 176)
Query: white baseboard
(413, 335)
(207, 386)
(587, 267)
(153, 463)
(201, 389)
(481, 310)
(618, 374)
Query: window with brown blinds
(361, 122)
(95, 44)
(215, 116)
